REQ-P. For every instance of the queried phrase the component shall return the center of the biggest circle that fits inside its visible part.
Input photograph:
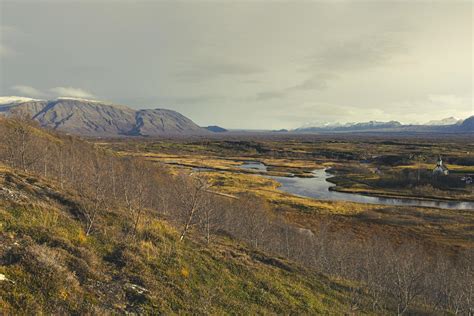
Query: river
(317, 187)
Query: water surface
(318, 188)
(253, 165)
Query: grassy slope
(51, 266)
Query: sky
(246, 64)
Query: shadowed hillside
(77, 247)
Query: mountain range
(448, 125)
(96, 118)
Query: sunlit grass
(189, 277)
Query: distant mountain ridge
(216, 129)
(448, 125)
(96, 118)
(371, 125)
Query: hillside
(95, 118)
(70, 243)
(50, 265)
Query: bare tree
(135, 182)
(19, 143)
(191, 200)
(407, 273)
(93, 189)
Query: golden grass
(234, 183)
(179, 277)
(282, 167)
(292, 163)
(4, 168)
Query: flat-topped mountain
(216, 129)
(96, 118)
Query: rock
(3, 278)
(136, 288)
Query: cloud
(71, 92)
(212, 68)
(355, 55)
(192, 99)
(433, 107)
(4, 51)
(269, 95)
(27, 91)
(337, 59)
(316, 82)
(7, 33)
(343, 57)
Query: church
(440, 169)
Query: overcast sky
(242, 64)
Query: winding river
(318, 188)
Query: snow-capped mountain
(15, 100)
(323, 124)
(350, 126)
(446, 121)
(449, 125)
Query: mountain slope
(159, 122)
(48, 265)
(94, 118)
(467, 125)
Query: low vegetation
(414, 180)
(52, 266)
(85, 230)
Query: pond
(318, 188)
(253, 165)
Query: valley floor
(448, 228)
